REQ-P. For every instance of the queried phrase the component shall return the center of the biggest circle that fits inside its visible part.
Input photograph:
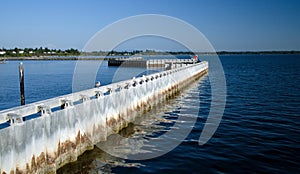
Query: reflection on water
(146, 127)
(97, 160)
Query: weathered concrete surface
(46, 143)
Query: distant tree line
(133, 52)
(29, 52)
(32, 52)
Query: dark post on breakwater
(21, 77)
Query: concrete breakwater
(71, 124)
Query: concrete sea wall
(71, 124)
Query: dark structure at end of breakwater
(151, 63)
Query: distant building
(14, 52)
(2, 52)
(21, 52)
(30, 52)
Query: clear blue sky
(228, 24)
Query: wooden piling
(21, 78)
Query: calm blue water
(48, 79)
(259, 132)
